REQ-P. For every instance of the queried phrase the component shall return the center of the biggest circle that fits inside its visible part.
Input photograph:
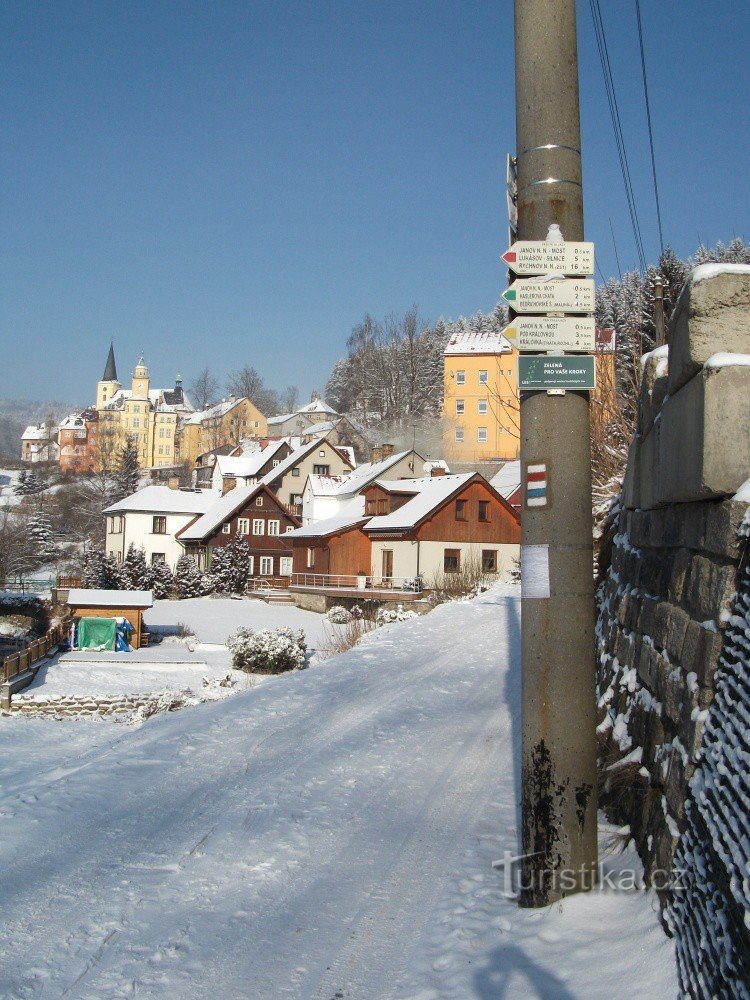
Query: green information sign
(545, 371)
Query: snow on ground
(329, 834)
(174, 664)
(213, 619)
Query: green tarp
(96, 633)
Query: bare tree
(289, 399)
(204, 389)
(248, 383)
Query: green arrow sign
(556, 372)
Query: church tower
(140, 382)
(109, 384)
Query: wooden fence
(35, 650)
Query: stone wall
(670, 568)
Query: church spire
(110, 369)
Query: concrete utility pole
(661, 337)
(559, 802)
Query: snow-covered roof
(507, 479)
(350, 514)
(162, 499)
(110, 598)
(248, 464)
(317, 406)
(72, 421)
(368, 472)
(157, 398)
(38, 432)
(325, 486)
(217, 410)
(218, 513)
(478, 342)
(430, 493)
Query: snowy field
(330, 834)
(174, 664)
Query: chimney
(173, 482)
(437, 470)
(228, 483)
(376, 454)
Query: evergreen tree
(222, 569)
(209, 584)
(111, 574)
(240, 562)
(126, 474)
(20, 487)
(40, 532)
(187, 577)
(134, 572)
(162, 581)
(93, 569)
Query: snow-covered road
(329, 833)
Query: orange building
(481, 405)
(78, 440)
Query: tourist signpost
(547, 371)
(563, 295)
(552, 333)
(531, 257)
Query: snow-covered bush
(269, 651)
(209, 584)
(187, 577)
(339, 615)
(162, 580)
(398, 614)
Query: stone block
(649, 491)
(722, 522)
(631, 482)
(707, 588)
(678, 574)
(712, 315)
(692, 521)
(673, 693)
(703, 443)
(638, 533)
(653, 372)
(677, 623)
(648, 606)
(675, 784)
(661, 624)
(700, 652)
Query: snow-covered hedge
(339, 615)
(269, 651)
(387, 615)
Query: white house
(324, 496)
(39, 443)
(151, 518)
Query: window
(382, 506)
(370, 507)
(451, 560)
(136, 422)
(459, 434)
(258, 523)
(321, 470)
(276, 461)
(243, 525)
(259, 501)
(482, 405)
(484, 510)
(289, 527)
(481, 434)
(321, 454)
(251, 565)
(226, 528)
(460, 406)
(460, 510)
(159, 525)
(461, 378)
(295, 471)
(310, 558)
(158, 557)
(115, 525)
(273, 527)
(266, 565)
(483, 377)
(285, 565)
(489, 561)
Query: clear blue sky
(229, 183)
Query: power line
(601, 43)
(648, 119)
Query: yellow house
(225, 423)
(145, 416)
(481, 405)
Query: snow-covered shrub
(162, 580)
(269, 651)
(209, 584)
(339, 615)
(187, 577)
(398, 614)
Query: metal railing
(342, 581)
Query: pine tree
(240, 561)
(162, 581)
(40, 532)
(20, 488)
(222, 569)
(112, 577)
(134, 573)
(126, 474)
(187, 577)
(93, 569)
(209, 584)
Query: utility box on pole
(559, 801)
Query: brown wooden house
(257, 515)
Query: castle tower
(140, 384)
(109, 384)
